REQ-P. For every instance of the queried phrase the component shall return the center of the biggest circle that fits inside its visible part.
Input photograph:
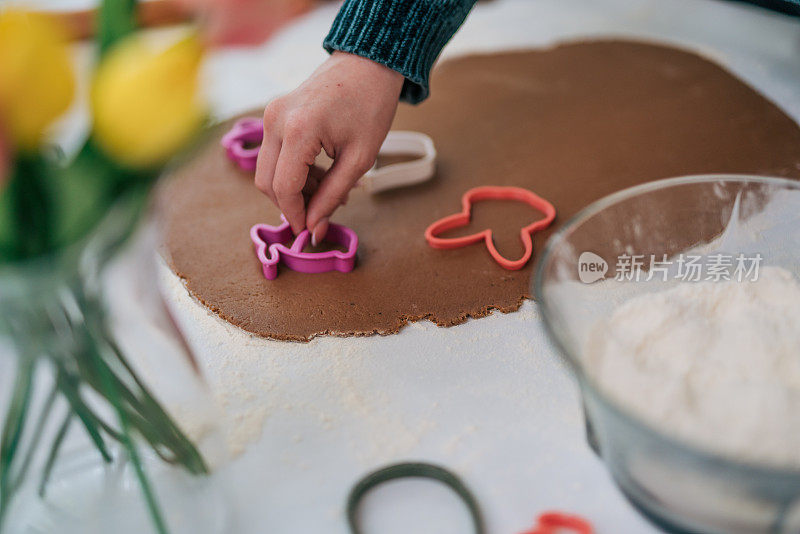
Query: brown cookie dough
(572, 123)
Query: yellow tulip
(145, 100)
(36, 79)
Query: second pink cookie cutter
(243, 141)
(271, 249)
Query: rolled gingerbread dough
(572, 123)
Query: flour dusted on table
(713, 363)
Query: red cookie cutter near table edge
(492, 193)
(558, 522)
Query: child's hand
(346, 108)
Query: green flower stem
(145, 414)
(112, 394)
(30, 213)
(53, 454)
(69, 388)
(185, 449)
(116, 19)
(12, 430)
(44, 415)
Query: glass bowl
(584, 274)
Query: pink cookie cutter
(243, 141)
(270, 243)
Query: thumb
(332, 192)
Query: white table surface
(490, 399)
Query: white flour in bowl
(713, 363)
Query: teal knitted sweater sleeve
(405, 35)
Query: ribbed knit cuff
(405, 35)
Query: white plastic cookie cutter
(404, 173)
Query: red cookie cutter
(558, 522)
(492, 193)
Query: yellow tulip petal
(145, 100)
(36, 78)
